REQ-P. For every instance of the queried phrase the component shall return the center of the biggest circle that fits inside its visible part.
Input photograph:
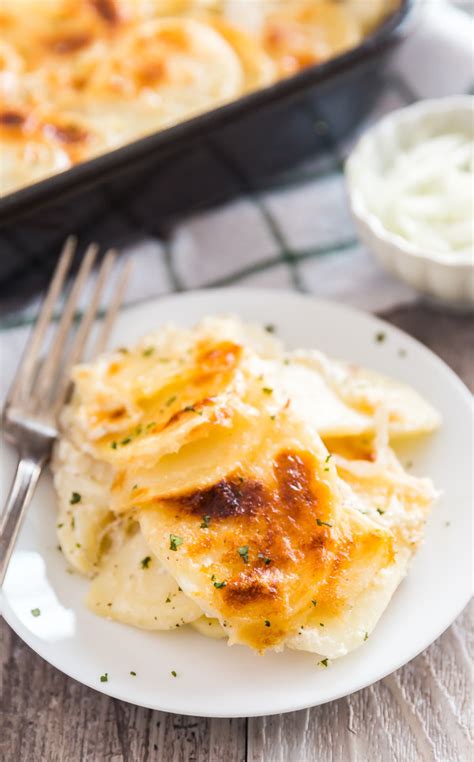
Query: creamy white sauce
(427, 195)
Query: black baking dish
(238, 147)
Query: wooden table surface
(421, 712)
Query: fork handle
(26, 477)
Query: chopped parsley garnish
(175, 541)
(264, 558)
(323, 523)
(133, 674)
(205, 522)
(314, 602)
(324, 662)
(379, 337)
(171, 400)
(270, 328)
(135, 486)
(243, 552)
(220, 584)
(268, 623)
(78, 544)
(145, 562)
(150, 425)
(73, 522)
(168, 600)
(59, 526)
(149, 351)
(126, 441)
(75, 498)
(104, 678)
(366, 636)
(113, 445)
(267, 390)
(272, 417)
(174, 673)
(35, 612)
(321, 624)
(327, 458)
(379, 510)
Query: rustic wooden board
(421, 712)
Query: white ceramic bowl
(444, 278)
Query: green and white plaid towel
(300, 235)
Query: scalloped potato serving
(81, 77)
(207, 477)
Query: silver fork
(41, 384)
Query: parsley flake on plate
(35, 612)
(145, 562)
(75, 498)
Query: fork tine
(22, 381)
(113, 309)
(85, 325)
(51, 364)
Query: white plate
(213, 679)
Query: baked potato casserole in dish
(79, 78)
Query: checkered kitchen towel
(300, 235)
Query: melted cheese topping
(281, 531)
(94, 74)
(192, 480)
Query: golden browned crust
(279, 545)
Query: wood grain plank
(47, 716)
(421, 712)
